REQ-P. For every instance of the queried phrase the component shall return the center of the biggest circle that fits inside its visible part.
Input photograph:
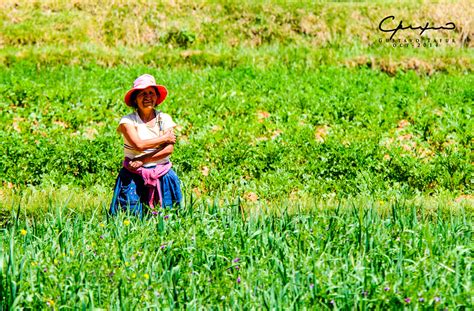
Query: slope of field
(231, 33)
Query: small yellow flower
(134, 275)
(127, 264)
(93, 244)
(50, 302)
(34, 264)
(381, 202)
(101, 225)
(126, 222)
(146, 276)
(23, 232)
(71, 253)
(55, 261)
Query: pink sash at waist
(151, 178)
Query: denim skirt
(131, 195)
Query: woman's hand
(136, 164)
(169, 137)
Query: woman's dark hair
(133, 97)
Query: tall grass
(348, 255)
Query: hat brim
(162, 93)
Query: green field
(320, 170)
(355, 254)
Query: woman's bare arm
(130, 133)
(159, 154)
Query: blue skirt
(130, 193)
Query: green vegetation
(339, 172)
(356, 254)
(272, 132)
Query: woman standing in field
(146, 176)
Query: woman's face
(146, 98)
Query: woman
(146, 177)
